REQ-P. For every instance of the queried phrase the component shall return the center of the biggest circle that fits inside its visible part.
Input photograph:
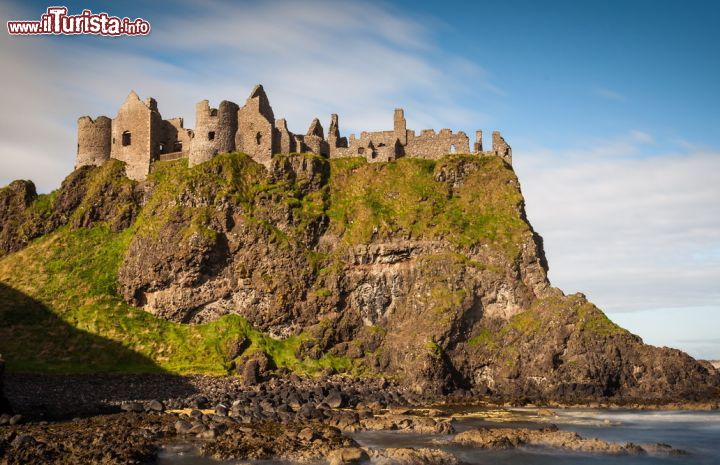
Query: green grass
(59, 307)
(88, 328)
(402, 199)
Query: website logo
(56, 21)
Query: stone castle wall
(433, 146)
(138, 136)
(501, 148)
(93, 141)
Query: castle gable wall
(134, 136)
(256, 127)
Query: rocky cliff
(425, 271)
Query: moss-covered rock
(424, 271)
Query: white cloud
(359, 60)
(633, 233)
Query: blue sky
(612, 110)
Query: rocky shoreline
(48, 397)
(127, 419)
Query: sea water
(697, 433)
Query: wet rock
(108, 440)
(411, 456)
(335, 399)
(23, 440)
(182, 426)
(254, 367)
(155, 406)
(508, 438)
(132, 407)
(307, 434)
(208, 434)
(412, 423)
(347, 455)
(198, 429)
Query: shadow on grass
(55, 370)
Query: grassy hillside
(60, 312)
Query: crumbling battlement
(139, 136)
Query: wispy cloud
(633, 232)
(608, 94)
(359, 60)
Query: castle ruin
(139, 136)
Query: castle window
(361, 150)
(258, 138)
(126, 140)
(211, 135)
(161, 148)
(453, 149)
(177, 147)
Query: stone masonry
(139, 136)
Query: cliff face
(426, 271)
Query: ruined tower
(477, 148)
(501, 148)
(256, 124)
(215, 130)
(400, 126)
(93, 142)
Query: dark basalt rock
(415, 301)
(89, 195)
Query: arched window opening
(126, 138)
(258, 138)
(453, 149)
(161, 148)
(211, 135)
(361, 150)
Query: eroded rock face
(89, 195)
(14, 201)
(420, 306)
(564, 348)
(425, 271)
